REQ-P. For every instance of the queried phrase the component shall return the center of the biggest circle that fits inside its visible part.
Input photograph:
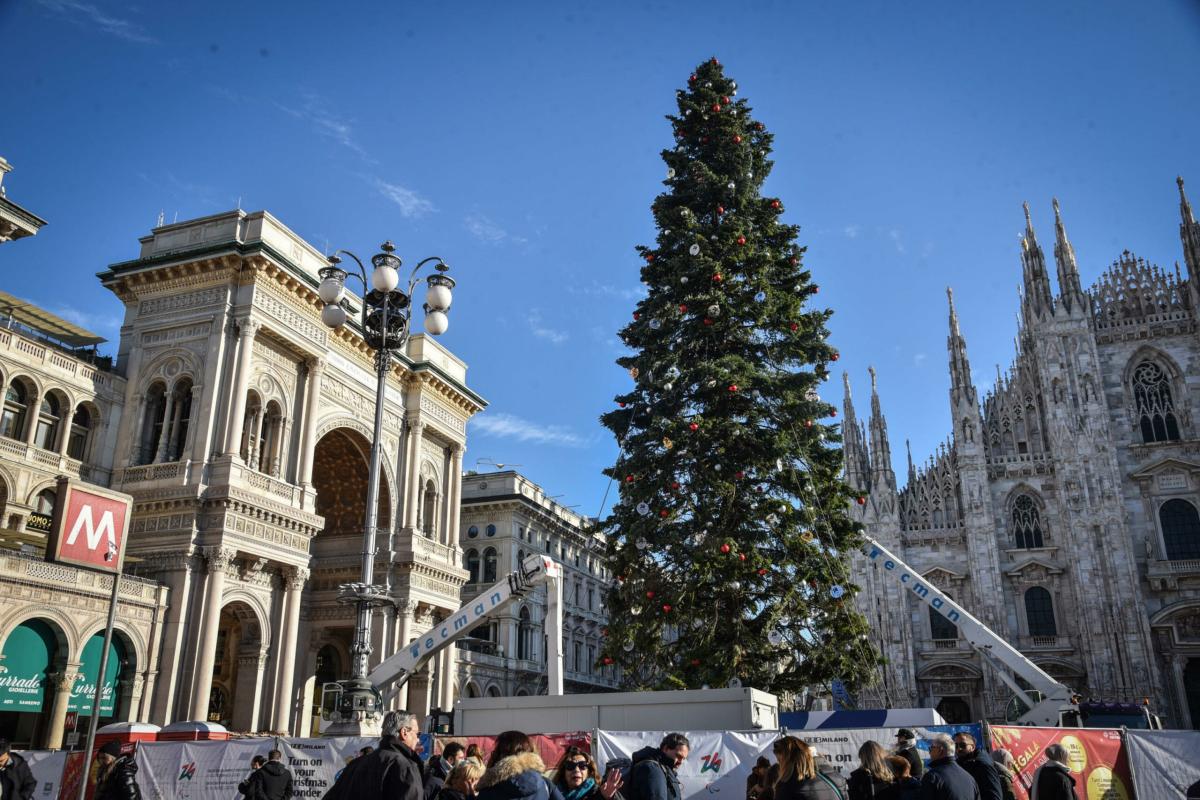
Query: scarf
(581, 791)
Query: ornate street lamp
(385, 316)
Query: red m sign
(90, 526)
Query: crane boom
(1056, 699)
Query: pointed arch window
(489, 565)
(1180, 529)
(1027, 523)
(1039, 612)
(12, 422)
(1153, 404)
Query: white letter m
(94, 533)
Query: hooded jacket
(391, 771)
(1053, 781)
(517, 777)
(652, 776)
(16, 779)
(119, 782)
(271, 781)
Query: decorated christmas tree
(731, 538)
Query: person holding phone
(577, 777)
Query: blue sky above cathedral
(520, 142)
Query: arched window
(520, 557)
(181, 417)
(940, 627)
(1039, 611)
(1180, 529)
(472, 561)
(267, 453)
(1153, 405)
(1027, 523)
(48, 422)
(81, 428)
(489, 565)
(152, 423)
(12, 423)
(429, 509)
(524, 636)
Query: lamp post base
(358, 710)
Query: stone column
(405, 611)
(308, 442)
(62, 682)
(413, 475)
(293, 580)
(248, 690)
(449, 673)
(64, 430)
(241, 384)
(218, 559)
(33, 412)
(253, 441)
(168, 427)
(455, 489)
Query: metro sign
(90, 526)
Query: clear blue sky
(520, 142)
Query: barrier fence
(1114, 764)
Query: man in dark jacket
(1053, 780)
(980, 765)
(391, 771)
(906, 748)
(271, 781)
(439, 767)
(653, 775)
(117, 779)
(16, 779)
(945, 780)
(255, 765)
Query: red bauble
(808, 423)
(725, 548)
(815, 289)
(733, 387)
(795, 326)
(715, 62)
(666, 608)
(741, 240)
(776, 204)
(650, 595)
(762, 571)
(636, 315)
(682, 308)
(693, 427)
(707, 321)
(793, 261)
(716, 107)
(608, 661)
(629, 479)
(737, 139)
(741, 556)
(620, 579)
(691, 79)
(725, 100)
(675, 484)
(834, 357)
(649, 256)
(833, 412)
(720, 210)
(717, 277)
(862, 501)
(739, 475)
(759, 126)
(695, 662)
(703, 140)
(663, 513)
(622, 405)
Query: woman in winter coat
(460, 783)
(1006, 767)
(515, 772)
(903, 786)
(117, 778)
(577, 777)
(799, 778)
(873, 776)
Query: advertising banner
(1096, 757)
(47, 768)
(195, 770)
(1165, 764)
(720, 761)
(550, 746)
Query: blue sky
(520, 141)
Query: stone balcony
(1046, 644)
(1169, 575)
(52, 463)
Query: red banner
(549, 746)
(1096, 757)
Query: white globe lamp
(438, 297)
(333, 315)
(436, 322)
(331, 290)
(385, 278)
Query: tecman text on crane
(942, 604)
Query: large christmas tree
(731, 537)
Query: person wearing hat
(117, 776)
(906, 748)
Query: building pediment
(1034, 568)
(1166, 468)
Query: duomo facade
(241, 426)
(1064, 509)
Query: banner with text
(1096, 757)
(47, 768)
(1165, 764)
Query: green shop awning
(85, 687)
(28, 653)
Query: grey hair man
(1053, 779)
(946, 780)
(391, 771)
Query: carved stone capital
(252, 568)
(406, 608)
(316, 364)
(248, 327)
(219, 558)
(64, 681)
(294, 578)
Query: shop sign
(23, 671)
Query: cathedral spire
(1037, 282)
(912, 471)
(1189, 234)
(853, 446)
(1070, 292)
(881, 450)
(1185, 208)
(961, 386)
